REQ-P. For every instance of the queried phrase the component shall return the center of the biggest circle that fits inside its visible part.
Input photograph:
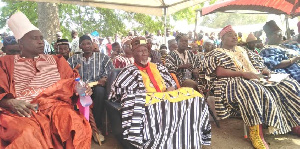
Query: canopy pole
(288, 34)
(196, 23)
(165, 25)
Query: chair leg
(245, 131)
(211, 112)
(106, 123)
(213, 116)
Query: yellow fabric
(181, 94)
(255, 138)
(159, 80)
(239, 39)
(240, 59)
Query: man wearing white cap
(36, 92)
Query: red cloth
(150, 74)
(108, 49)
(225, 30)
(56, 125)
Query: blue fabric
(293, 46)
(273, 56)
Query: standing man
(94, 67)
(54, 43)
(153, 54)
(102, 47)
(109, 46)
(168, 37)
(75, 43)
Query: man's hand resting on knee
(20, 107)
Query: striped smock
(176, 119)
(34, 76)
(277, 106)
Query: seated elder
(277, 57)
(36, 90)
(154, 114)
(233, 73)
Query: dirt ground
(229, 136)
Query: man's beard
(145, 62)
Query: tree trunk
(48, 20)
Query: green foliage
(87, 19)
(189, 14)
(147, 23)
(219, 20)
(84, 19)
(28, 8)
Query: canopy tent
(150, 7)
(288, 7)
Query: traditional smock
(277, 106)
(174, 59)
(48, 81)
(153, 118)
(273, 55)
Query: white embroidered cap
(19, 24)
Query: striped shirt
(173, 60)
(93, 68)
(34, 76)
(122, 61)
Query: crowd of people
(161, 86)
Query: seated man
(251, 42)
(94, 67)
(183, 62)
(125, 59)
(234, 75)
(278, 58)
(63, 47)
(208, 46)
(10, 46)
(172, 45)
(154, 115)
(36, 90)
